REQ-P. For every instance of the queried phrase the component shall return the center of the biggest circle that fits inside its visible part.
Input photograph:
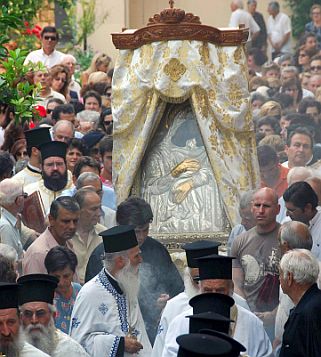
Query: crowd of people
(82, 276)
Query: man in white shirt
(47, 55)
(240, 16)
(279, 30)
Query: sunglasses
(52, 38)
(49, 111)
(313, 68)
(107, 122)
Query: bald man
(255, 269)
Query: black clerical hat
(199, 249)
(214, 302)
(53, 148)
(37, 287)
(237, 347)
(201, 345)
(8, 295)
(37, 137)
(119, 238)
(209, 320)
(215, 267)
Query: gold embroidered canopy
(212, 78)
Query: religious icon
(177, 178)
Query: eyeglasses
(292, 210)
(107, 122)
(316, 13)
(28, 314)
(313, 68)
(52, 38)
(53, 164)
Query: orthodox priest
(106, 318)
(215, 274)
(55, 176)
(35, 138)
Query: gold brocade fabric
(215, 81)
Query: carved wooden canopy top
(175, 24)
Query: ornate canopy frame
(175, 59)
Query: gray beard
(13, 348)
(128, 281)
(190, 289)
(44, 339)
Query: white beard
(14, 348)
(128, 281)
(44, 339)
(190, 289)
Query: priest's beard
(12, 346)
(128, 281)
(43, 338)
(56, 181)
(190, 289)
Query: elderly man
(37, 315)
(35, 138)
(299, 272)
(47, 55)
(240, 16)
(260, 40)
(292, 235)
(301, 203)
(87, 236)
(12, 340)
(55, 177)
(159, 276)
(180, 302)
(255, 269)
(12, 203)
(86, 164)
(279, 30)
(88, 120)
(70, 61)
(215, 274)
(106, 318)
(63, 131)
(63, 219)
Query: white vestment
(68, 347)
(102, 315)
(29, 175)
(47, 196)
(249, 331)
(31, 351)
(174, 307)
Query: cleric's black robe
(302, 331)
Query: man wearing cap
(63, 218)
(55, 176)
(215, 274)
(36, 293)
(160, 278)
(106, 319)
(12, 341)
(180, 302)
(32, 172)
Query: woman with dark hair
(302, 59)
(92, 101)
(106, 121)
(61, 262)
(60, 80)
(293, 88)
(75, 151)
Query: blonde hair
(96, 77)
(98, 59)
(271, 108)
